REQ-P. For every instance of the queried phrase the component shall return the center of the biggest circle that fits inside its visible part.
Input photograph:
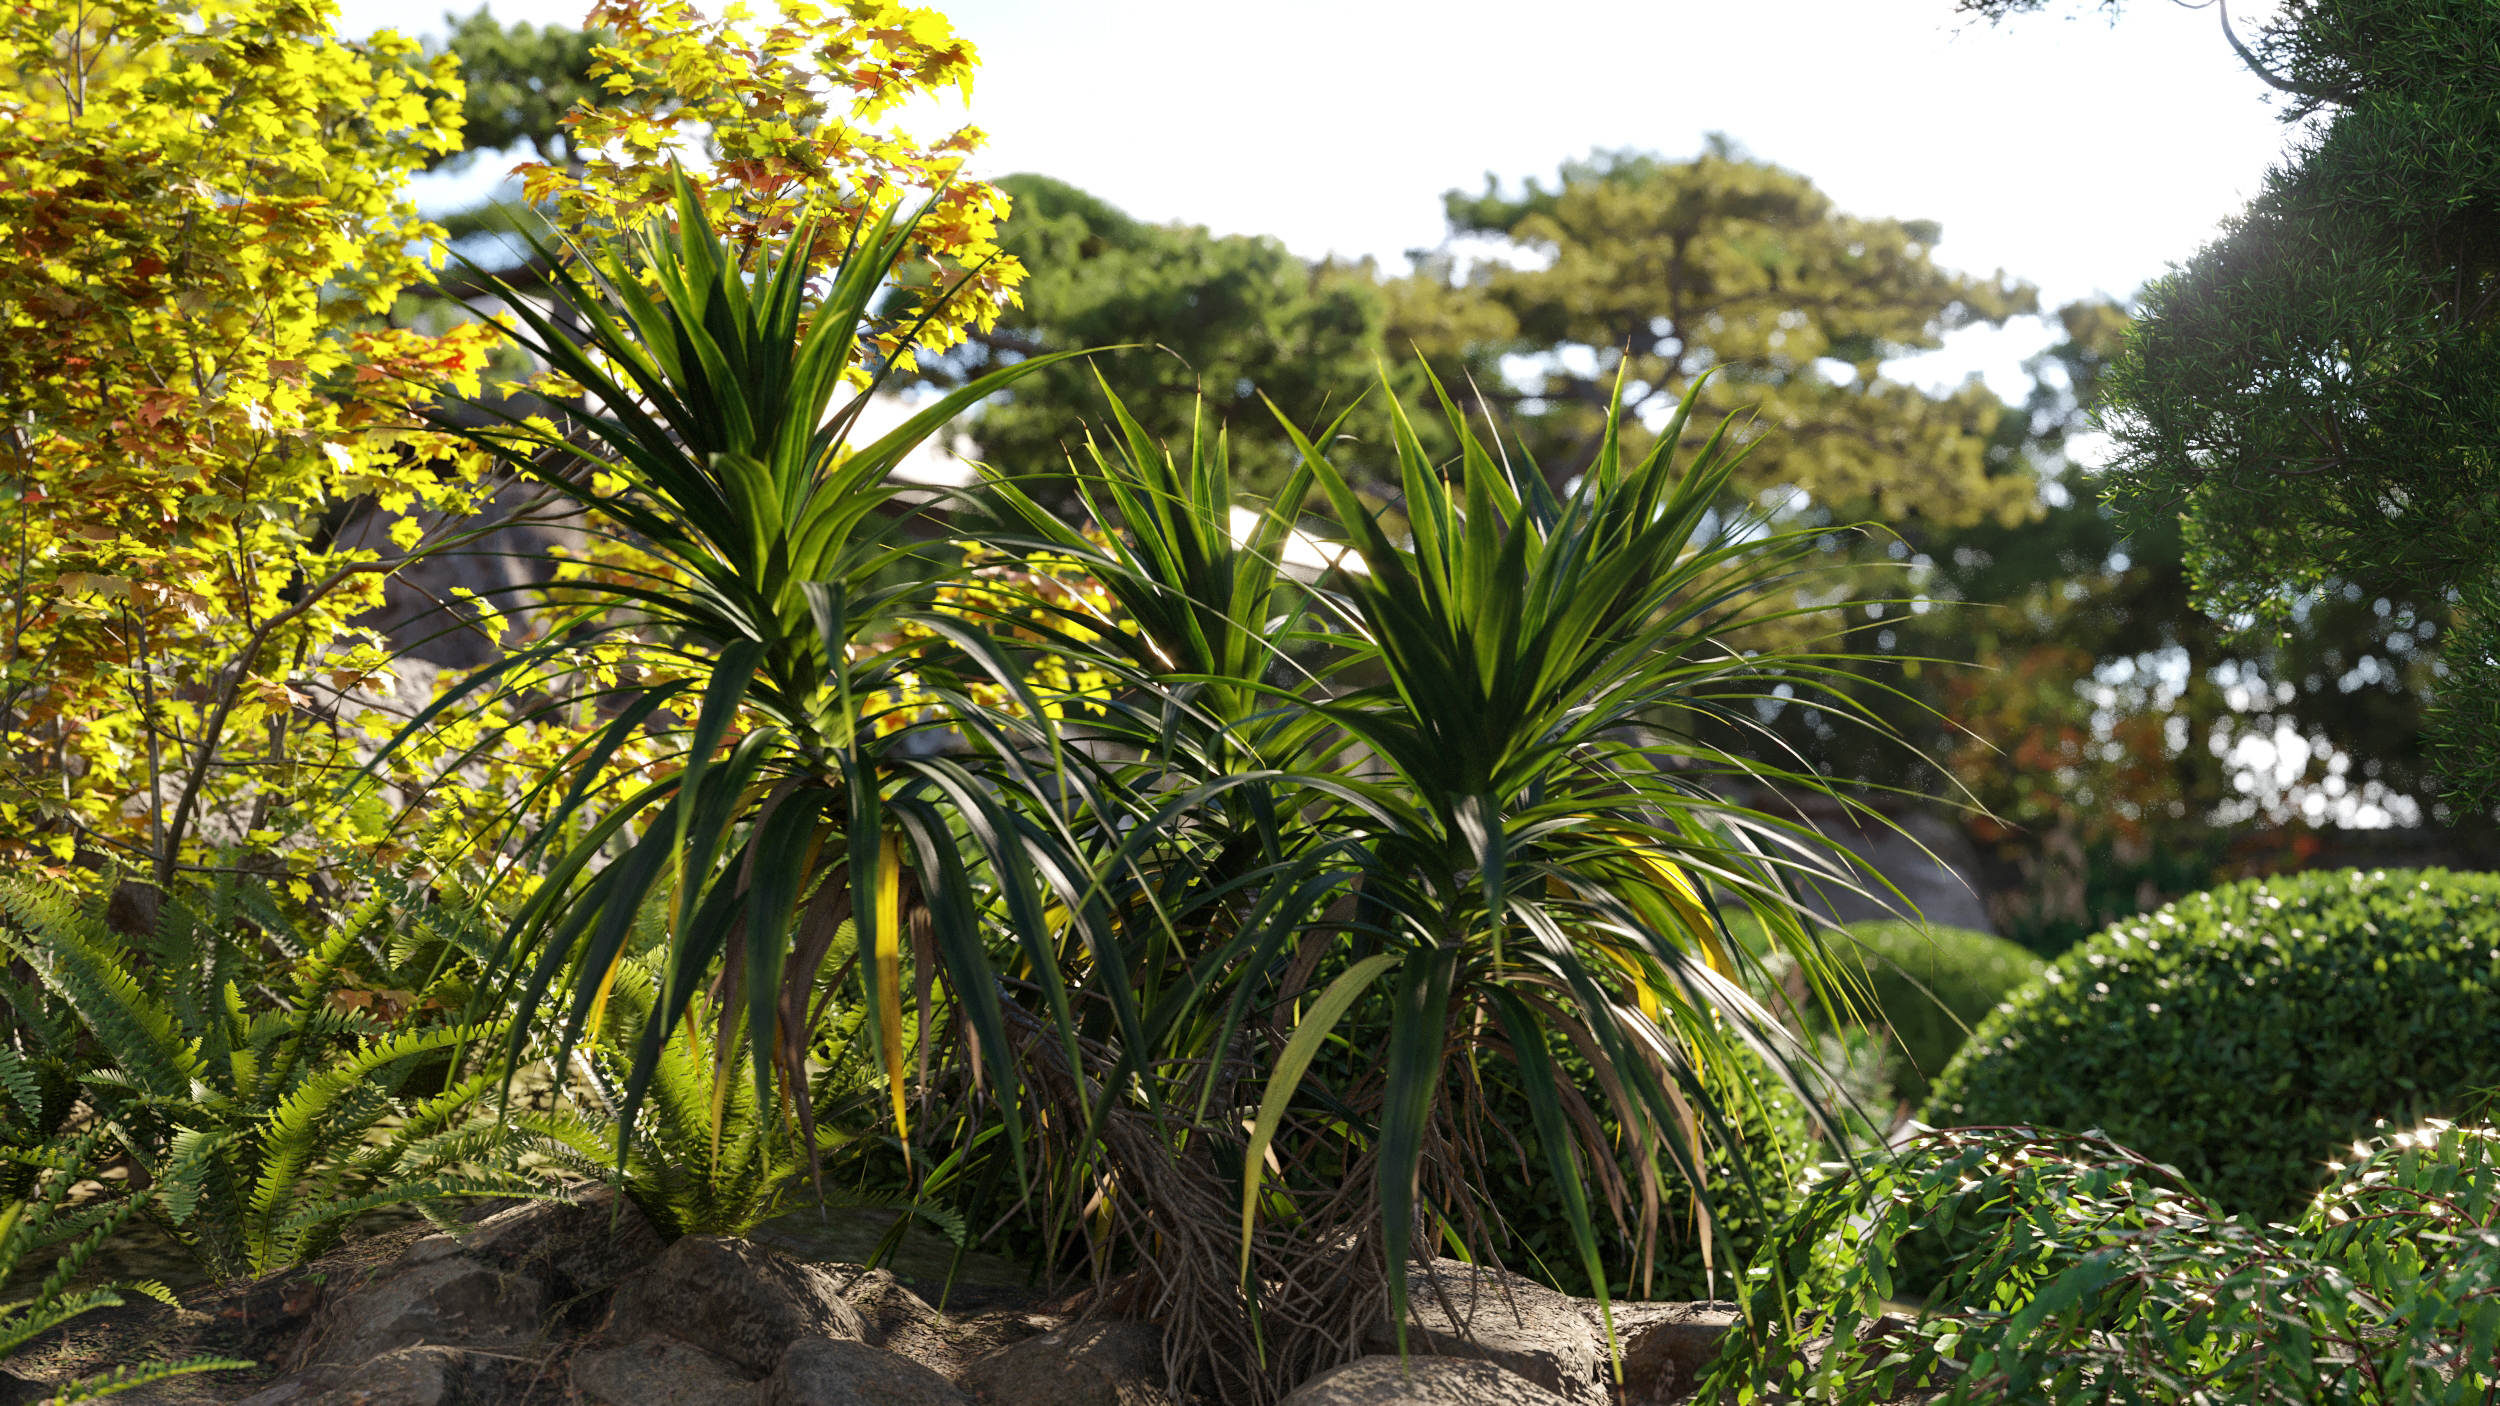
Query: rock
(410, 1376)
(1426, 1381)
(733, 1299)
(576, 1249)
(886, 1306)
(1667, 1346)
(520, 1277)
(269, 1314)
(847, 1372)
(1102, 1363)
(661, 1372)
(1514, 1323)
(430, 1295)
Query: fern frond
(49, 1310)
(253, 902)
(18, 1078)
(122, 1379)
(76, 957)
(406, 1193)
(41, 1020)
(298, 1128)
(180, 1183)
(312, 990)
(148, 1288)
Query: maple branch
(214, 728)
(231, 692)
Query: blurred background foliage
(2103, 743)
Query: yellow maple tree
(204, 227)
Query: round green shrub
(2247, 1035)
(1932, 987)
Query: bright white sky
(2076, 153)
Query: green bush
(1933, 986)
(266, 1080)
(2083, 1273)
(2247, 1035)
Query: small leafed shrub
(2085, 1273)
(2248, 1035)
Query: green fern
(41, 1221)
(688, 1172)
(263, 1128)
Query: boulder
(265, 1319)
(904, 1323)
(1102, 1363)
(1667, 1346)
(1424, 1381)
(732, 1299)
(1463, 1310)
(887, 1306)
(430, 1375)
(577, 1250)
(431, 1295)
(518, 1278)
(847, 1372)
(661, 1372)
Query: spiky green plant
(1451, 803)
(710, 437)
(262, 1125)
(45, 1219)
(1453, 797)
(694, 1166)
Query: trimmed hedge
(1934, 986)
(2248, 1035)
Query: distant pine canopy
(1720, 262)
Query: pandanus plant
(1222, 946)
(1452, 803)
(706, 432)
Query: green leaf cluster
(45, 1219)
(2087, 1273)
(1930, 986)
(694, 1165)
(1693, 1256)
(1437, 805)
(263, 1125)
(1190, 324)
(1655, 271)
(2247, 1034)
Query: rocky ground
(576, 1304)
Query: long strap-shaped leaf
(1285, 1079)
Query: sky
(2080, 154)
